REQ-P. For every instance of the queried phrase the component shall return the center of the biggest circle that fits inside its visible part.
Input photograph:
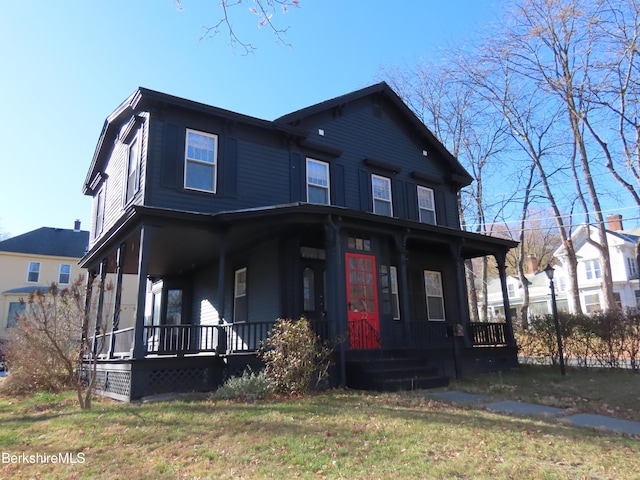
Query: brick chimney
(532, 264)
(76, 226)
(614, 222)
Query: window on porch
(435, 298)
(240, 306)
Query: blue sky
(66, 65)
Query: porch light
(554, 311)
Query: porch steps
(393, 372)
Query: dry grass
(336, 434)
(602, 391)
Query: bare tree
(473, 133)
(264, 10)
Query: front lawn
(335, 434)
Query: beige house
(33, 261)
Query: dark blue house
(344, 212)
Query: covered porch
(186, 333)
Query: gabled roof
(383, 89)
(143, 99)
(578, 236)
(58, 242)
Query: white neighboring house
(623, 250)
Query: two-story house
(623, 252)
(344, 212)
(33, 261)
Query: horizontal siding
(116, 178)
(360, 134)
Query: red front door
(362, 301)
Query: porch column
(502, 271)
(100, 307)
(403, 277)
(146, 238)
(221, 347)
(335, 296)
(463, 299)
(118, 298)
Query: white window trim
(393, 284)
(328, 187)
(236, 296)
(29, 271)
(433, 202)
(441, 296)
(60, 282)
(130, 145)
(591, 270)
(214, 165)
(373, 194)
(98, 217)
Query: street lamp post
(554, 312)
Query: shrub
(248, 387)
(46, 350)
(295, 358)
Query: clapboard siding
(259, 165)
(361, 132)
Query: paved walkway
(627, 427)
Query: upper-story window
(511, 290)
(201, 161)
(318, 190)
(382, 203)
(133, 170)
(33, 274)
(633, 267)
(426, 205)
(592, 268)
(98, 218)
(64, 276)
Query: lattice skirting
(134, 379)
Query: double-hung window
(426, 205)
(240, 305)
(592, 268)
(381, 187)
(33, 274)
(64, 277)
(16, 310)
(98, 219)
(201, 161)
(318, 190)
(133, 170)
(632, 263)
(435, 298)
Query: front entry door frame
(362, 301)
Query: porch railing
(362, 335)
(488, 334)
(117, 344)
(247, 337)
(226, 338)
